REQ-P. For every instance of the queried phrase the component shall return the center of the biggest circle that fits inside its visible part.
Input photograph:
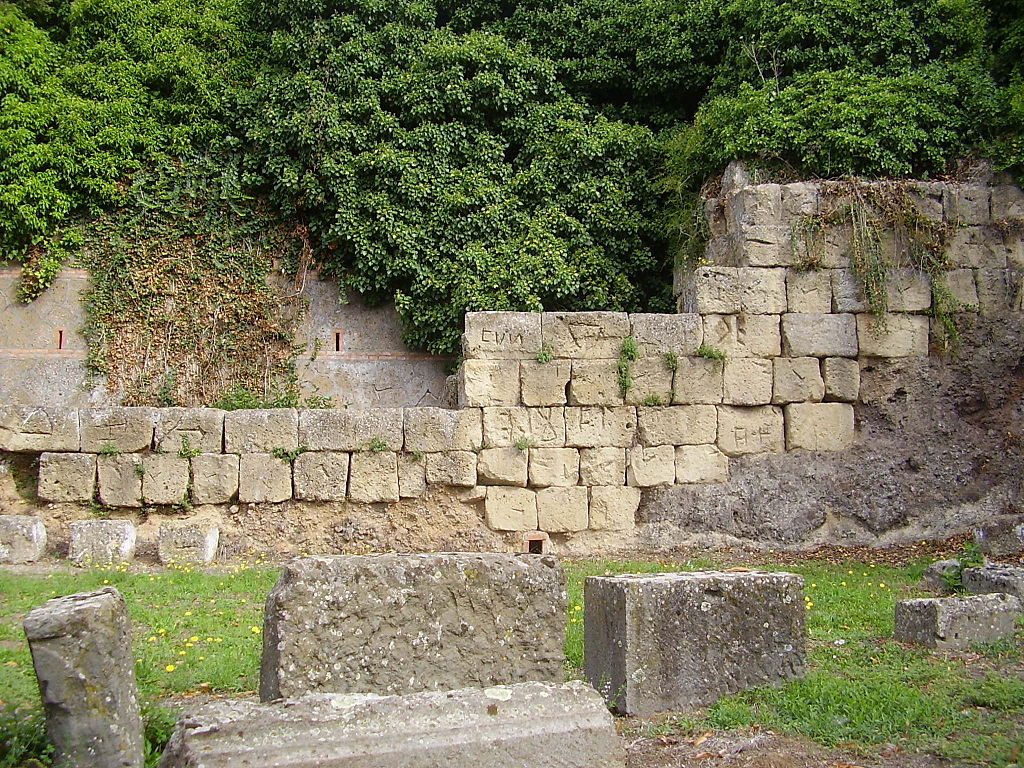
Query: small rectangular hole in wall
(60, 338)
(536, 543)
(536, 546)
(339, 340)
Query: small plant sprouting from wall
(710, 352)
(627, 355)
(289, 455)
(545, 355)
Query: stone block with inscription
(321, 475)
(562, 509)
(677, 425)
(261, 431)
(185, 430)
(819, 426)
(502, 466)
(895, 335)
(34, 429)
(600, 427)
(744, 431)
(510, 509)
(373, 477)
(602, 466)
(650, 382)
(544, 384)
(537, 427)
(165, 479)
(262, 477)
(502, 335)
(67, 476)
(585, 335)
(743, 335)
(214, 478)
(747, 381)
(701, 464)
(120, 480)
(123, 430)
(488, 382)
(440, 429)
(657, 334)
(842, 379)
(798, 380)
(697, 380)
(595, 382)
(809, 290)
(455, 468)
(651, 465)
(554, 466)
(613, 507)
(352, 429)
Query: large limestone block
(488, 382)
(407, 623)
(744, 431)
(847, 292)
(927, 198)
(798, 379)
(801, 198)
(809, 335)
(321, 475)
(81, 651)
(455, 468)
(998, 291)
(164, 479)
(743, 335)
(908, 290)
(527, 725)
(602, 466)
(352, 429)
(648, 466)
(22, 539)
(809, 291)
(977, 247)
(895, 336)
(510, 509)
(34, 429)
(819, 426)
(698, 380)
(766, 246)
(842, 379)
(1007, 202)
(502, 466)
(501, 335)
(613, 507)
(956, 622)
(214, 478)
(967, 203)
(595, 382)
(600, 427)
(263, 478)
(373, 477)
(124, 430)
(101, 542)
(261, 431)
(120, 480)
(554, 466)
(441, 429)
(962, 286)
(747, 381)
(524, 427)
(677, 641)
(188, 543)
(563, 510)
(656, 335)
(544, 384)
(412, 475)
(187, 430)
(67, 476)
(762, 291)
(701, 464)
(994, 578)
(715, 290)
(677, 425)
(756, 205)
(582, 335)
(650, 382)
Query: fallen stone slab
(529, 725)
(956, 622)
(188, 543)
(101, 542)
(1001, 537)
(408, 623)
(993, 578)
(675, 641)
(82, 656)
(22, 539)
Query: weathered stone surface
(701, 464)
(847, 292)
(676, 641)
(527, 725)
(373, 477)
(22, 539)
(67, 476)
(359, 429)
(677, 425)
(554, 466)
(602, 466)
(101, 542)
(936, 575)
(214, 478)
(501, 335)
(456, 468)
(996, 292)
(898, 336)
(510, 509)
(81, 651)
(321, 475)
(488, 382)
(743, 335)
(842, 379)
(698, 380)
(994, 578)
(120, 480)
(657, 334)
(583, 335)
(651, 382)
(976, 247)
(544, 384)
(756, 205)
(262, 477)
(715, 290)
(800, 198)
(766, 246)
(261, 431)
(441, 429)
(600, 427)
(613, 507)
(164, 479)
(927, 198)
(186, 430)
(908, 290)
(34, 429)
(1007, 202)
(961, 284)
(798, 379)
(595, 382)
(956, 622)
(809, 335)
(647, 466)
(563, 510)
(750, 430)
(762, 291)
(747, 381)
(809, 290)
(538, 427)
(819, 426)
(407, 623)
(1001, 537)
(188, 542)
(117, 429)
(412, 475)
(967, 203)
(502, 466)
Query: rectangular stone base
(956, 622)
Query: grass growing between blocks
(198, 633)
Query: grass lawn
(199, 633)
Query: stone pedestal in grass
(22, 538)
(101, 542)
(956, 622)
(188, 543)
(675, 641)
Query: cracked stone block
(656, 334)
(956, 622)
(373, 477)
(908, 290)
(563, 510)
(186, 430)
(67, 476)
(809, 291)
(595, 382)
(354, 429)
(101, 543)
(756, 205)
(976, 247)
(994, 578)
(961, 284)
(649, 466)
(537, 427)
(22, 539)
(602, 466)
(842, 379)
(164, 479)
(677, 641)
(188, 543)
(762, 291)
(321, 475)
(800, 198)
(613, 508)
(214, 478)
(819, 426)
(412, 475)
(544, 384)
(584, 335)
(808, 335)
(455, 468)
(261, 431)
(262, 477)
(895, 336)
(510, 509)
(125, 430)
(34, 429)
(798, 379)
(1003, 536)
(120, 480)
(677, 425)
(967, 203)
(847, 292)
(651, 382)
(81, 651)
(502, 466)
(766, 246)
(995, 293)
(1007, 202)
(743, 431)
(554, 466)
(747, 381)
(715, 290)
(407, 623)
(439, 429)
(597, 427)
(501, 335)
(488, 382)
(701, 464)
(743, 335)
(927, 198)
(698, 380)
